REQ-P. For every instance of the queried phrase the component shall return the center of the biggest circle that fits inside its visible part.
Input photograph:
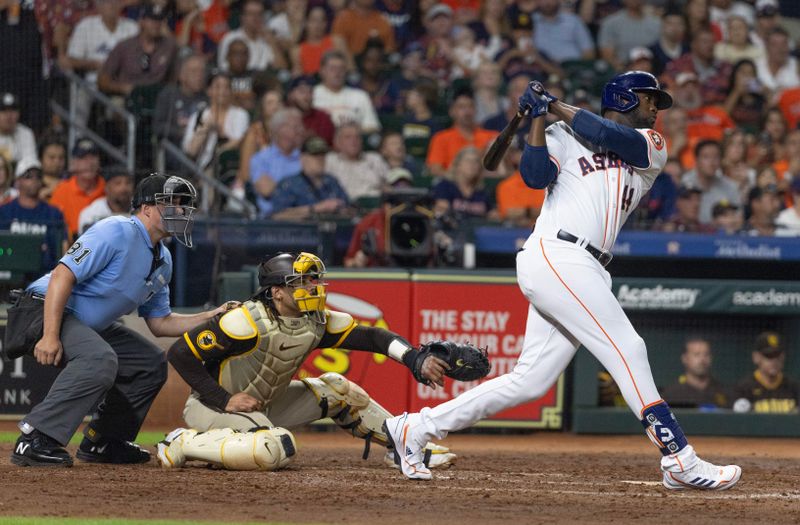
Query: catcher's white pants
(574, 305)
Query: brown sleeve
(205, 347)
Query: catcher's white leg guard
(353, 410)
(256, 449)
(350, 407)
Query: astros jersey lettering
(595, 191)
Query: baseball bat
(500, 146)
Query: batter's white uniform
(569, 291)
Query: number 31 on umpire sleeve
(75, 248)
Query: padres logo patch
(657, 140)
(206, 340)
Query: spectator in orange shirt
(706, 121)
(359, 23)
(517, 203)
(465, 132)
(787, 167)
(83, 187)
(789, 102)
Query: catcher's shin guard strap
(663, 429)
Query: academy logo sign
(657, 297)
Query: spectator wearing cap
(713, 75)
(264, 47)
(437, 44)
(686, 218)
(519, 56)
(767, 389)
(343, 103)
(708, 178)
(53, 157)
(90, 44)
(84, 186)
(778, 70)
(360, 173)
(312, 192)
(446, 144)
(625, 30)
(640, 58)
(727, 218)
(16, 140)
(721, 11)
(514, 89)
(145, 59)
(218, 127)
(768, 17)
(361, 22)
(706, 121)
(763, 205)
(176, 104)
(788, 221)
(279, 160)
(368, 243)
(307, 56)
(29, 214)
(737, 44)
(671, 40)
(561, 35)
(117, 200)
(315, 121)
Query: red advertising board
(486, 310)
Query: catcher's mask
(303, 275)
(176, 196)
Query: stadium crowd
(313, 108)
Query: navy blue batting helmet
(620, 92)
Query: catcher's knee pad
(349, 406)
(256, 449)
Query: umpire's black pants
(116, 367)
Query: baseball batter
(595, 169)
(240, 367)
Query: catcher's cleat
(114, 451)
(39, 450)
(172, 456)
(435, 456)
(407, 453)
(700, 475)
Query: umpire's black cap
(146, 190)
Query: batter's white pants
(571, 304)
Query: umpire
(118, 265)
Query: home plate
(646, 483)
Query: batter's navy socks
(39, 450)
(663, 429)
(111, 451)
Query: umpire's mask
(178, 198)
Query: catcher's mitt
(466, 362)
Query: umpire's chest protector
(265, 371)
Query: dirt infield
(539, 478)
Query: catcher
(240, 364)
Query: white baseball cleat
(435, 456)
(702, 475)
(171, 456)
(407, 453)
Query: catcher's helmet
(303, 273)
(620, 92)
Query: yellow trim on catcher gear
(344, 336)
(247, 318)
(255, 346)
(191, 345)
